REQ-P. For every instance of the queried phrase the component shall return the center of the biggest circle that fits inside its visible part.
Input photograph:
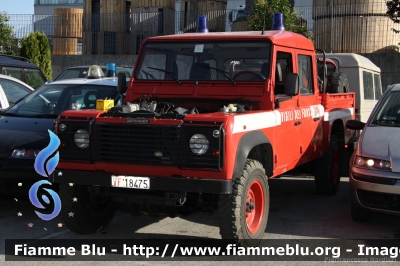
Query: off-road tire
(360, 215)
(327, 168)
(346, 155)
(89, 213)
(337, 83)
(250, 187)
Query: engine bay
(155, 107)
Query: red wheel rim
(254, 207)
(335, 166)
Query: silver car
(375, 163)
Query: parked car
(364, 79)
(23, 69)
(375, 163)
(24, 126)
(82, 71)
(11, 90)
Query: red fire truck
(207, 119)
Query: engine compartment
(156, 107)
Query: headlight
(371, 163)
(81, 138)
(25, 153)
(198, 144)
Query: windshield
(83, 71)
(388, 112)
(51, 100)
(205, 61)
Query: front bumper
(103, 179)
(17, 176)
(375, 190)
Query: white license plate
(130, 181)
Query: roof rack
(17, 58)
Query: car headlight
(81, 138)
(25, 153)
(371, 163)
(198, 144)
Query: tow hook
(179, 197)
(182, 198)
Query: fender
(246, 144)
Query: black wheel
(243, 215)
(337, 83)
(344, 171)
(327, 168)
(84, 212)
(249, 76)
(360, 215)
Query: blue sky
(17, 6)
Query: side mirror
(121, 88)
(291, 84)
(355, 124)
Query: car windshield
(81, 72)
(388, 112)
(51, 100)
(205, 61)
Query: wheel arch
(254, 145)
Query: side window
(284, 64)
(368, 86)
(13, 72)
(378, 86)
(305, 74)
(13, 90)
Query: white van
(364, 79)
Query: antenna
(265, 13)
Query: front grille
(136, 144)
(381, 201)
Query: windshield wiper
(168, 73)
(226, 74)
(12, 114)
(44, 116)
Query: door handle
(297, 123)
(316, 118)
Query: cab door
(289, 132)
(310, 108)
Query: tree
(267, 8)
(8, 42)
(36, 47)
(393, 11)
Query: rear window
(378, 86)
(34, 78)
(368, 86)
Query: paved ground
(296, 212)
